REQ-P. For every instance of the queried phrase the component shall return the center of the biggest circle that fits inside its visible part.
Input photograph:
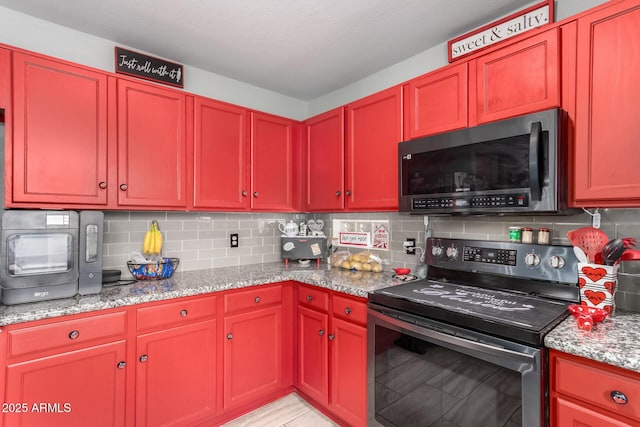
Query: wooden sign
(149, 68)
(510, 26)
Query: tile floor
(290, 411)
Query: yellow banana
(148, 241)
(157, 240)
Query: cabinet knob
(123, 187)
(331, 337)
(73, 335)
(121, 365)
(229, 336)
(347, 193)
(619, 397)
(244, 193)
(347, 311)
(338, 193)
(256, 194)
(144, 358)
(257, 300)
(183, 313)
(309, 298)
(321, 332)
(102, 185)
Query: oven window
(418, 383)
(46, 253)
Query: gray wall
(201, 240)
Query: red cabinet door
(221, 161)
(75, 389)
(252, 355)
(59, 134)
(374, 128)
(606, 123)
(348, 347)
(569, 414)
(325, 161)
(5, 83)
(313, 354)
(518, 79)
(438, 101)
(152, 145)
(272, 162)
(176, 375)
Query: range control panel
(544, 262)
(492, 256)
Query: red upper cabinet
(221, 159)
(59, 147)
(272, 163)
(374, 128)
(520, 78)
(606, 122)
(325, 139)
(5, 83)
(437, 102)
(152, 146)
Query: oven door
(427, 373)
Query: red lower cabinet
(79, 388)
(176, 375)
(349, 371)
(332, 353)
(586, 393)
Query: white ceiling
(299, 48)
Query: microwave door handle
(534, 160)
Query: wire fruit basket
(162, 269)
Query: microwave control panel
(471, 202)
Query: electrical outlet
(410, 246)
(233, 240)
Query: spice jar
(514, 234)
(527, 235)
(543, 236)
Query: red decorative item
(586, 316)
(402, 271)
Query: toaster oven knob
(436, 251)
(452, 252)
(532, 260)
(556, 261)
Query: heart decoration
(595, 297)
(610, 286)
(594, 274)
(581, 282)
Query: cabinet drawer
(175, 313)
(57, 335)
(595, 385)
(256, 297)
(350, 309)
(313, 297)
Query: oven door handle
(459, 342)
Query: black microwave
(511, 166)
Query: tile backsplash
(201, 239)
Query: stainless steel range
(464, 347)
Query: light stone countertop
(200, 282)
(615, 341)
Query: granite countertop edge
(616, 341)
(199, 282)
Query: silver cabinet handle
(144, 358)
(73, 335)
(244, 193)
(183, 313)
(256, 194)
(321, 332)
(348, 193)
(338, 193)
(257, 300)
(619, 397)
(309, 298)
(347, 311)
(121, 365)
(229, 336)
(123, 187)
(102, 185)
(331, 337)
